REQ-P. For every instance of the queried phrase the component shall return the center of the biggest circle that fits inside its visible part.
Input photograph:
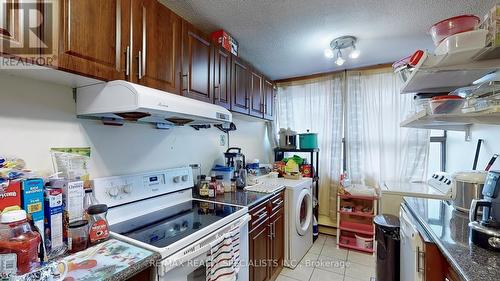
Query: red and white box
(226, 41)
(11, 195)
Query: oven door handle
(185, 255)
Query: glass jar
(212, 187)
(18, 243)
(233, 185)
(203, 187)
(196, 174)
(78, 236)
(220, 184)
(99, 228)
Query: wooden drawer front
(259, 215)
(277, 202)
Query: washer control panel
(129, 188)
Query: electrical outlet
(222, 140)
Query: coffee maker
(236, 160)
(486, 232)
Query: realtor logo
(26, 33)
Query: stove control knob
(127, 189)
(113, 192)
(177, 179)
(185, 178)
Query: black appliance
(486, 232)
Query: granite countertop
(240, 197)
(449, 229)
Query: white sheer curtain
(317, 105)
(377, 148)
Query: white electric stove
(156, 211)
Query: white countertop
(412, 189)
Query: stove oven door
(189, 263)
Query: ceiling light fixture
(342, 43)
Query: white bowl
(475, 39)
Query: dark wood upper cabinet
(156, 50)
(92, 36)
(256, 96)
(268, 92)
(222, 77)
(197, 57)
(240, 95)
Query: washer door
(303, 212)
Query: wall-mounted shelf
(448, 72)
(452, 122)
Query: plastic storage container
(364, 242)
(19, 244)
(446, 104)
(475, 39)
(227, 173)
(388, 242)
(451, 26)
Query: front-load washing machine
(298, 220)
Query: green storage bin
(308, 140)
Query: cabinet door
(92, 35)
(197, 55)
(20, 37)
(259, 253)
(156, 46)
(222, 77)
(240, 100)
(268, 100)
(256, 96)
(278, 242)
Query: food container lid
(457, 17)
(449, 97)
(88, 190)
(97, 209)
(219, 177)
(13, 216)
(470, 176)
(77, 224)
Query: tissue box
(226, 41)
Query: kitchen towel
(223, 263)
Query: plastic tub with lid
(451, 26)
(19, 244)
(446, 104)
(469, 40)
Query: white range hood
(118, 101)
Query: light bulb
(354, 54)
(340, 61)
(329, 53)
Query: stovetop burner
(167, 226)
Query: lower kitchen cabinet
(267, 239)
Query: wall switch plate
(222, 140)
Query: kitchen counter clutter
(449, 229)
(240, 197)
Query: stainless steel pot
(468, 186)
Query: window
(437, 151)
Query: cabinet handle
(274, 230)
(420, 255)
(139, 67)
(182, 81)
(271, 230)
(127, 61)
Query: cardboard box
(32, 201)
(53, 205)
(73, 201)
(491, 23)
(11, 195)
(226, 41)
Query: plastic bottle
(220, 184)
(88, 200)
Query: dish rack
(355, 229)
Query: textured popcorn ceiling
(286, 38)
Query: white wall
(460, 154)
(35, 116)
